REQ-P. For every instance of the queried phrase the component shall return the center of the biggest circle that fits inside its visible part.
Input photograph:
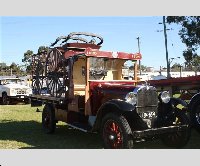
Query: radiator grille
(147, 99)
(21, 91)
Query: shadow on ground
(30, 132)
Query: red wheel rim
(112, 134)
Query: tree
(42, 51)
(190, 36)
(27, 60)
(143, 68)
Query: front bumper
(158, 131)
(19, 97)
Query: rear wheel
(48, 119)
(179, 138)
(116, 132)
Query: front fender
(193, 101)
(120, 105)
(174, 105)
(178, 103)
(115, 106)
(168, 111)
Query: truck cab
(12, 89)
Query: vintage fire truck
(84, 87)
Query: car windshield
(10, 81)
(110, 69)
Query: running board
(81, 128)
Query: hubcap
(197, 115)
(112, 134)
(111, 137)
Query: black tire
(195, 116)
(116, 132)
(27, 101)
(5, 99)
(48, 119)
(179, 138)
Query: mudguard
(178, 103)
(193, 100)
(120, 105)
(117, 106)
(169, 111)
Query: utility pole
(10, 71)
(165, 35)
(138, 38)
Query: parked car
(87, 91)
(12, 89)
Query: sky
(21, 33)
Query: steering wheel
(87, 34)
(76, 36)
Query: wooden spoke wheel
(55, 73)
(54, 61)
(116, 132)
(55, 85)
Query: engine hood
(15, 86)
(112, 90)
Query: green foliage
(42, 50)
(27, 56)
(190, 32)
(21, 129)
(27, 59)
(190, 36)
(14, 69)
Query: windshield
(110, 69)
(10, 81)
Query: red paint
(94, 52)
(103, 91)
(112, 129)
(106, 54)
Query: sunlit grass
(20, 128)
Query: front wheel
(5, 99)
(116, 132)
(48, 119)
(195, 116)
(180, 138)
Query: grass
(20, 128)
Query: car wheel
(27, 101)
(195, 116)
(116, 132)
(179, 138)
(48, 119)
(5, 100)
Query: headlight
(131, 98)
(165, 97)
